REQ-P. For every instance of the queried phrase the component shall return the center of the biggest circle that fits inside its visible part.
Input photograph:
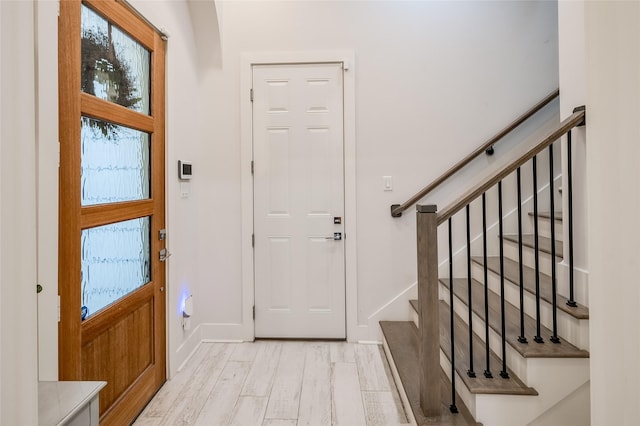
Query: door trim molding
(246, 179)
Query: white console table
(69, 403)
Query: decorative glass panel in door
(114, 66)
(115, 163)
(115, 262)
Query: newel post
(429, 345)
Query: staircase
(520, 343)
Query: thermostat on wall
(185, 170)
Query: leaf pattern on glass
(114, 66)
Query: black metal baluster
(487, 371)
(537, 338)
(504, 374)
(452, 407)
(521, 338)
(554, 302)
(470, 371)
(571, 302)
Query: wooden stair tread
(512, 323)
(512, 273)
(402, 339)
(483, 384)
(546, 215)
(480, 384)
(528, 240)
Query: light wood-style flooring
(279, 383)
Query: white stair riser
(580, 283)
(544, 227)
(511, 251)
(528, 257)
(467, 397)
(570, 328)
(514, 360)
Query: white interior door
(299, 201)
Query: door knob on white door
(337, 236)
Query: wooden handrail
(397, 209)
(576, 119)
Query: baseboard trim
(186, 350)
(224, 332)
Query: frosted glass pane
(114, 162)
(115, 261)
(114, 66)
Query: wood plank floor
(279, 383)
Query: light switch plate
(184, 189)
(387, 182)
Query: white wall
(573, 89)
(613, 175)
(2, 397)
(433, 80)
(47, 155)
(18, 303)
(189, 266)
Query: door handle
(337, 236)
(164, 255)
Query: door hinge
(254, 312)
(58, 307)
(253, 240)
(252, 167)
(251, 95)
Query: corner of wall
(185, 351)
(397, 309)
(206, 24)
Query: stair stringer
(553, 378)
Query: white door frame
(246, 155)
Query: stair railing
(428, 220)
(487, 147)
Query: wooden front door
(112, 204)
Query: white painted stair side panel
(553, 378)
(570, 411)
